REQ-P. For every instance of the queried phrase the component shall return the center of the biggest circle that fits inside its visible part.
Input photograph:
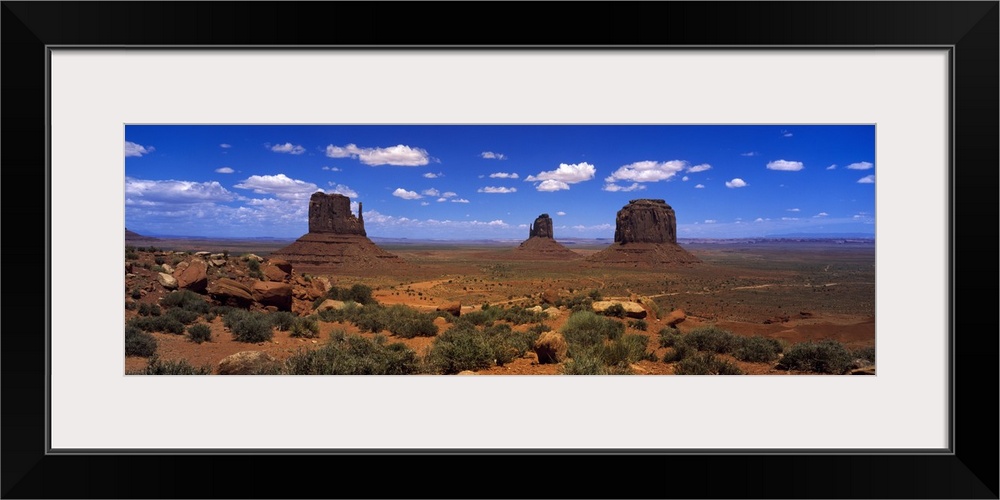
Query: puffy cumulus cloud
(424, 203)
(832, 167)
(332, 169)
(699, 168)
(459, 200)
(597, 227)
(710, 221)
(440, 200)
(225, 146)
(862, 165)
(279, 185)
(560, 178)
(647, 171)
(868, 179)
(292, 149)
(497, 190)
(758, 219)
(784, 165)
(449, 194)
(342, 189)
(504, 175)
(699, 186)
(560, 213)
(821, 214)
(552, 185)
(432, 175)
(432, 192)
(137, 150)
(792, 210)
(736, 183)
(406, 195)
(614, 188)
(490, 155)
(148, 193)
(399, 155)
(750, 153)
(224, 170)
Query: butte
(541, 244)
(336, 241)
(645, 234)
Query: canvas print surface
(499, 249)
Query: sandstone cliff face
(542, 228)
(331, 213)
(646, 221)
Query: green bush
(706, 364)
(615, 310)
(136, 293)
(586, 361)
(508, 345)
(182, 315)
(670, 336)
(131, 305)
(250, 327)
(146, 309)
(159, 260)
(680, 352)
(584, 328)
(282, 320)
(638, 324)
(306, 327)
(864, 353)
(354, 355)
(757, 350)
(199, 333)
(131, 255)
(460, 348)
(157, 367)
(712, 339)
(157, 324)
(139, 343)
(187, 300)
(827, 356)
(362, 294)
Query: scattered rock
(632, 309)
(550, 296)
(270, 293)
(168, 281)
(868, 370)
(552, 312)
(248, 257)
(248, 363)
(805, 314)
(467, 372)
(675, 317)
(281, 264)
(192, 276)
(551, 347)
(777, 319)
(226, 289)
(167, 269)
(453, 308)
(331, 304)
(202, 254)
(217, 262)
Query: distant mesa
(134, 237)
(541, 244)
(336, 241)
(645, 234)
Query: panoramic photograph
(499, 250)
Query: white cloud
(832, 167)
(224, 170)
(860, 166)
(647, 171)
(614, 188)
(289, 148)
(699, 186)
(560, 213)
(821, 214)
(225, 146)
(448, 194)
(786, 133)
(789, 218)
(332, 169)
(793, 210)
(398, 155)
(868, 179)
(597, 227)
(560, 178)
(497, 190)
(504, 175)
(736, 183)
(147, 192)
(342, 189)
(493, 156)
(280, 185)
(432, 175)
(710, 221)
(432, 192)
(442, 199)
(788, 166)
(552, 185)
(699, 168)
(459, 200)
(750, 153)
(758, 219)
(424, 203)
(133, 149)
(685, 178)
(406, 195)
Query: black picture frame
(970, 29)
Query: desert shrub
(350, 312)
(131, 255)
(159, 260)
(158, 269)
(146, 309)
(615, 310)
(595, 295)
(827, 356)
(757, 350)
(577, 303)
(157, 367)
(712, 339)
(670, 336)
(585, 328)
(680, 351)
(131, 305)
(638, 324)
(362, 294)
(539, 328)
(199, 333)
(585, 362)
(177, 259)
(157, 324)
(187, 300)
(139, 343)
(508, 345)
(864, 353)
(407, 322)
(460, 348)
(354, 355)
(371, 319)
(182, 315)
(253, 265)
(249, 327)
(209, 316)
(306, 327)
(136, 293)
(706, 364)
(282, 320)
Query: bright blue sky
(486, 181)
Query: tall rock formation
(336, 241)
(645, 234)
(541, 244)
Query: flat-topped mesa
(331, 213)
(646, 221)
(542, 228)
